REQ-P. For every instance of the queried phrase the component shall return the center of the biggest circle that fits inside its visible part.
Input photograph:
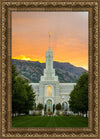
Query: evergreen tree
(58, 106)
(79, 96)
(40, 106)
(23, 96)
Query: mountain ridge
(33, 70)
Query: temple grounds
(49, 121)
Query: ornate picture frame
(6, 9)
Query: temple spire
(49, 40)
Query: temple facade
(49, 91)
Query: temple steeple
(49, 71)
(49, 59)
(49, 41)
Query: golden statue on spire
(49, 34)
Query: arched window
(64, 106)
(49, 91)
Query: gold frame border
(6, 8)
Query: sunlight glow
(22, 57)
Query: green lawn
(49, 121)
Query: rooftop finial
(49, 40)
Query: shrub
(50, 113)
(57, 113)
(58, 106)
(62, 114)
(39, 106)
(36, 113)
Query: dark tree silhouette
(79, 96)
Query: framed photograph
(49, 69)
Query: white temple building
(49, 90)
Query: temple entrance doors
(49, 106)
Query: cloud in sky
(69, 36)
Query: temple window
(49, 91)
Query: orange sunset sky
(69, 36)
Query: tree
(78, 101)
(23, 96)
(30, 100)
(58, 106)
(19, 96)
(14, 75)
(40, 106)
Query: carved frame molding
(6, 10)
